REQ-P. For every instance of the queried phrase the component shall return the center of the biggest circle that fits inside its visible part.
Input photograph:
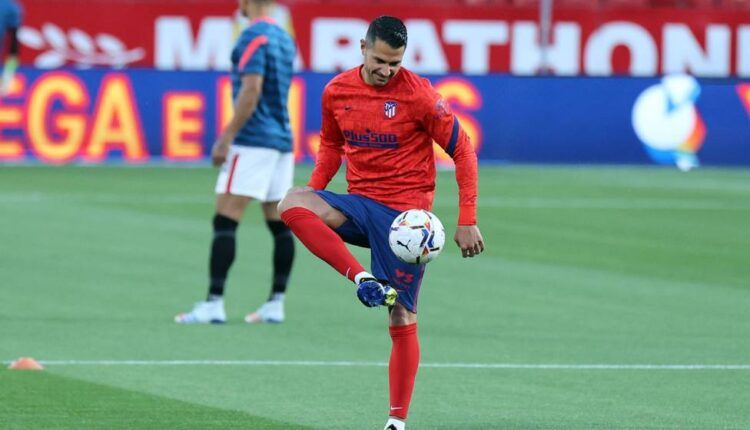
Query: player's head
(383, 48)
(253, 7)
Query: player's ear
(362, 45)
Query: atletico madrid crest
(390, 109)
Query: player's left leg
(406, 279)
(282, 176)
(272, 311)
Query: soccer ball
(417, 236)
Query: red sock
(402, 369)
(321, 240)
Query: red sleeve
(331, 148)
(443, 126)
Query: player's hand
(5, 81)
(4, 87)
(469, 239)
(220, 150)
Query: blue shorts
(368, 226)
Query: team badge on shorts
(390, 109)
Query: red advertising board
(198, 35)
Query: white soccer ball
(417, 236)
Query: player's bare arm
(247, 101)
(11, 62)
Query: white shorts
(261, 173)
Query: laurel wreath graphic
(78, 47)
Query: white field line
(307, 363)
(490, 202)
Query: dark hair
(389, 29)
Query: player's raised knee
(296, 197)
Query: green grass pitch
(584, 266)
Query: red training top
(386, 135)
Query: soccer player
(255, 152)
(10, 21)
(383, 119)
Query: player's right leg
(305, 198)
(272, 311)
(229, 211)
(313, 220)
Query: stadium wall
(139, 81)
(476, 40)
(142, 115)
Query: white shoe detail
(209, 312)
(270, 312)
(394, 424)
(358, 277)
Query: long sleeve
(331, 148)
(444, 127)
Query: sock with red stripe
(322, 241)
(402, 368)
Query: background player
(255, 152)
(383, 118)
(10, 21)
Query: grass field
(639, 270)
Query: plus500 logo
(371, 139)
(371, 136)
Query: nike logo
(393, 408)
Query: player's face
(382, 62)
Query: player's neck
(363, 75)
(366, 80)
(255, 12)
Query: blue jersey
(266, 49)
(10, 17)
